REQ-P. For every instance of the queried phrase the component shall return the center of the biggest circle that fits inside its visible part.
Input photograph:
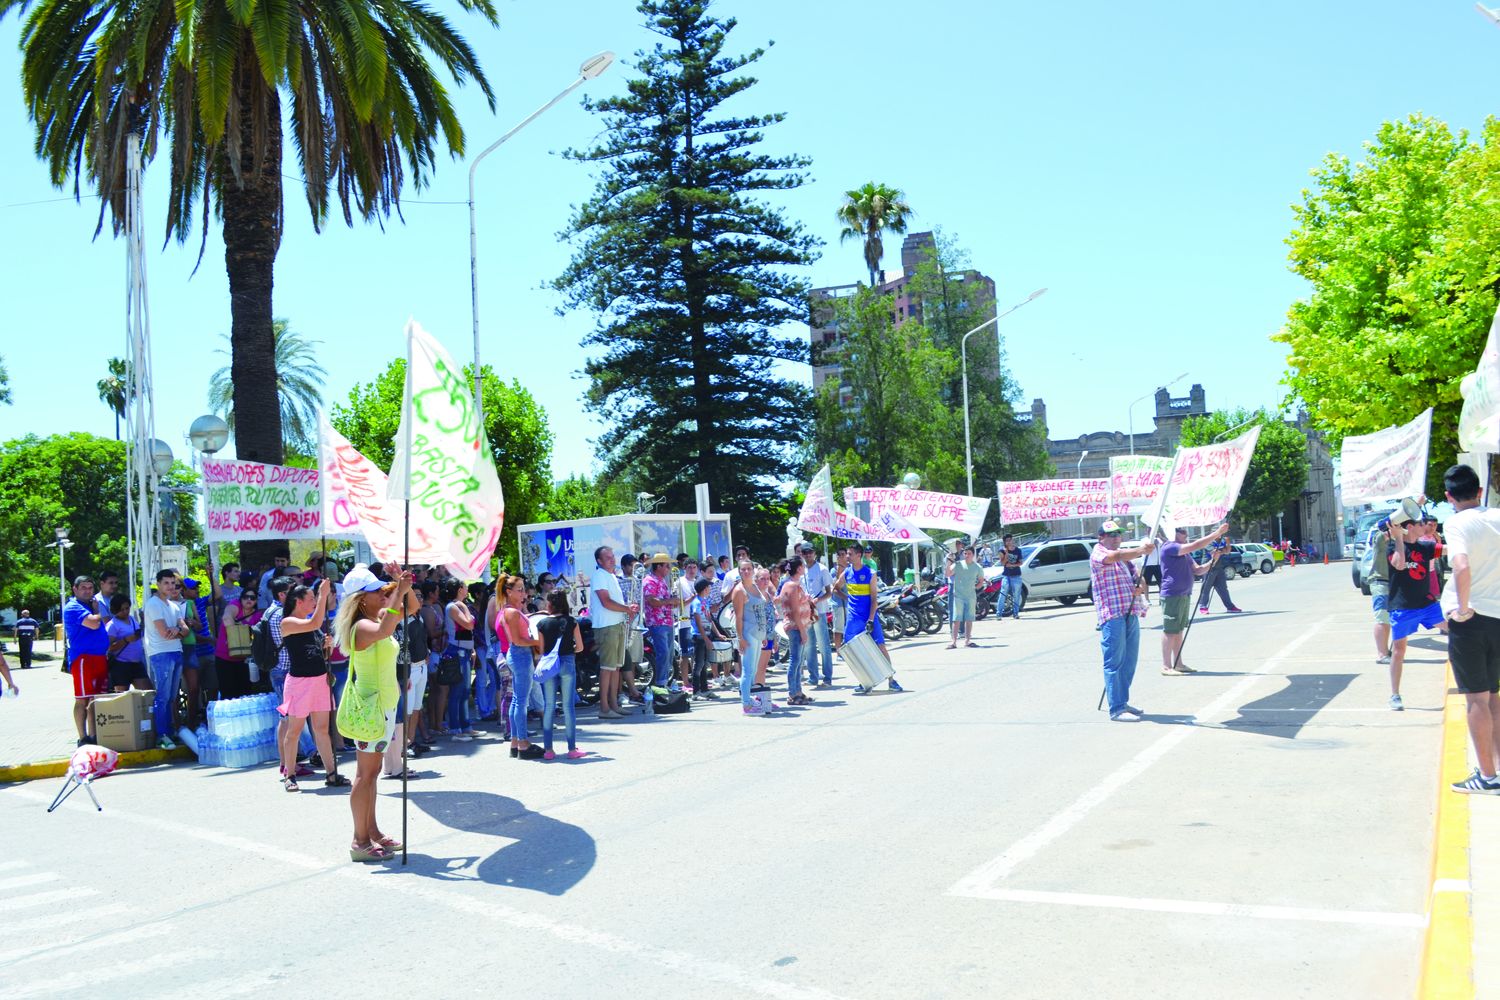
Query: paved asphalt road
(1263, 833)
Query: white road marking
(63, 918)
(683, 963)
(985, 876)
(22, 881)
(1368, 917)
(126, 938)
(102, 972)
(44, 898)
(1460, 885)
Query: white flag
(356, 505)
(451, 471)
(1387, 465)
(1479, 421)
(1135, 481)
(817, 510)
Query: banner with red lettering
(923, 508)
(1387, 465)
(355, 504)
(248, 501)
(1205, 483)
(1052, 499)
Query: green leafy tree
(685, 260)
(73, 481)
(299, 389)
(582, 496)
(1402, 250)
(867, 214)
(887, 416)
(4, 383)
(211, 83)
(952, 301)
(115, 390)
(515, 425)
(1278, 470)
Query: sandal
(337, 780)
(390, 844)
(369, 852)
(290, 784)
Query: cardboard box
(123, 721)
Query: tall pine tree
(686, 263)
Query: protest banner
(1204, 484)
(356, 504)
(443, 462)
(1135, 482)
(884, 526)
(1052, 499)
(250, 501)
(1388, 465)
(817, 509)
(924, 508)
(1479, 420)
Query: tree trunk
(252, 235)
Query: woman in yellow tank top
(364, 630)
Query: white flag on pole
(356, 504)
(1387, 465)
(817, 509)
(1204, 484)
(1479, 421)
(451, 470)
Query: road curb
(58, 768)
(1448, 946)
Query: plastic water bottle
(649, 702)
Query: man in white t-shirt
(608, 613)
(165, 627)
(687, 578)
(1471, 603)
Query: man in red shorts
(88, 644)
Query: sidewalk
(38, 725)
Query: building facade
(824, 335)
(1087, 456)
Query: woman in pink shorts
(307, 693)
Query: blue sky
(1138, 160)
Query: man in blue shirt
(26, 627)
(861, 588)
(88, 645)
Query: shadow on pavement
(1284, 713)
(539, 853)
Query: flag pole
(405, 562)
(333, 765)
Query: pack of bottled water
(241, 732)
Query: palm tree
(299, 389)
(115, 390)
(368, 110)
(868, 213)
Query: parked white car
(1258, 556)
(1054, 570)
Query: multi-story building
(823, 326)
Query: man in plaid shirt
(1120, 605)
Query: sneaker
(711, 695)
(548, 755)
(754, 708)
(165, 743)
(1395, 703)
(1203, 611)
(1133, 711)
(476, 733)
(1183, 668)
(532, 752)
(575, 754)
(894, 686)
(860, 689)
(1476, 784)
(1123, 716)
(610, 715)
(1169, 672)
(825, 685)
(463, 738)
(1383, 659)
(1235, 611)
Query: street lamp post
(1079, 475)
(591, 68)
(1130, 410)
(62, 544)
(963, 350)
(207, 435)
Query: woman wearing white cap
(364, 629)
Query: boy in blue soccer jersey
(859, 585)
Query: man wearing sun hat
(656, 597)
(1119, 607)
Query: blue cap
(190, 583)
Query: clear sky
(1137, 160)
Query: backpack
(673, 703)
(264, 649)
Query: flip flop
(390, 844)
